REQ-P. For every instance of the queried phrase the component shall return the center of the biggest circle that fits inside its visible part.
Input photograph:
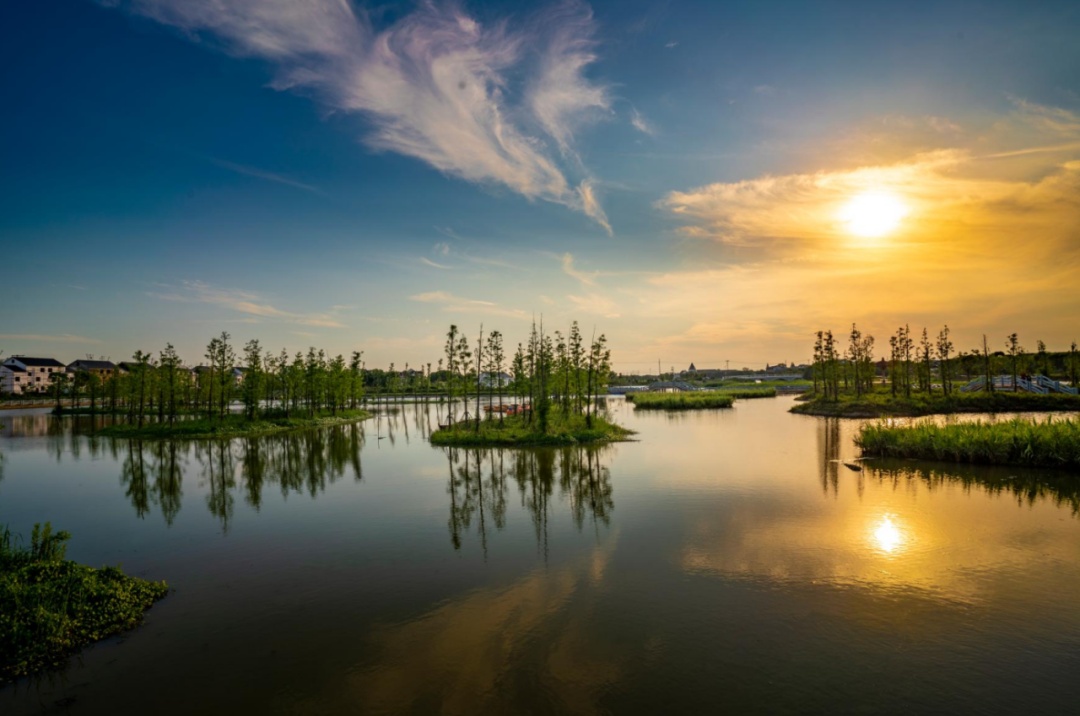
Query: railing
(1056, 386)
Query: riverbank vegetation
(232, 426)
(518, 431)
(747, 392)
(881, 403)
(682, 400)
(51, 607)
(925, 375)
(1045, 443)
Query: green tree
(944, 350)
(1014, 351)
(169, 365)
(254, 385)
(495, 358)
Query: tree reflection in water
(1026, 486)
(477, 487)
(300, 462)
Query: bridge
(662, 386)
(1039, 384)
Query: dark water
(726, 562)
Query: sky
(706, 182)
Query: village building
(102, 369)
(27, 374)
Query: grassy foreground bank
(1049, 443)
(682, 401)
(883, 404)
(516, 431)
(51, 608)
(231, 426)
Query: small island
(231, 426)
(556, 382)
(681, 400)
(522, 431)
(881, 403)
(50, 607)
(928, 378)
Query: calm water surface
(726, 562)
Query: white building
(23, 374)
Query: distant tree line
(546, 371)
(928, 364)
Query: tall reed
(1049, 443)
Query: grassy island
(1050, 443)
(884, 404)
(51, 607)
(682, 401)
(231, 426)
(748, 392)
(518, 431)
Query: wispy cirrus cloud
(451, 303)
(428, 262)
(265, 175)
(245, 302)
(484, 103)
(568, 268)
(638, 122)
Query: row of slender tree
(547, 371)
(920, 365)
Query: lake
(726, 561)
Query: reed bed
(744, 393)
(1049, 443)
(681, 401)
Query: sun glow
(873, 214)
(888, 536)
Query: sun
(873, 214)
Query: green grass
(1049, 443)
(681, 401)
(883, 404)
(51, 608)
(516, 431)
(747, 392)
(231, 426)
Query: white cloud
(589, 279)
(641, 124)
(436, 84)
(456, 304)
(241, 301)
(432, 264)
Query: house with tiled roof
(23, 374)
(103, 369)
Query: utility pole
(659, 374)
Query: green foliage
(562, 429)
(683, 401)
(51, 608)
(233, 425)
(746, 392)
(882, 403)
(1051, 443)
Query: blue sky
(359, 176)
